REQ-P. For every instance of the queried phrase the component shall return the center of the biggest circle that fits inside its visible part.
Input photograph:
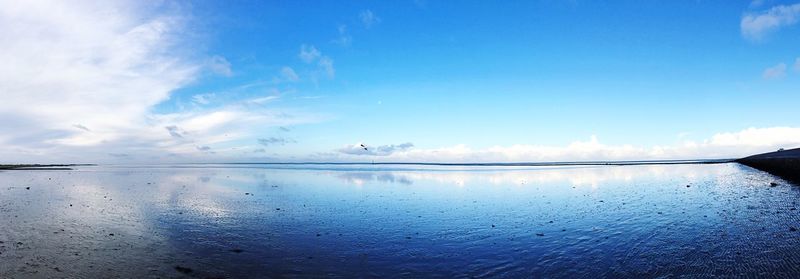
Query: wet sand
(250, 221)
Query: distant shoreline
(41, 166)
(783, 163)
(521, 164)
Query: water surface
(255, 221)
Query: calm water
(349, 221)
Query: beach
(255, 221)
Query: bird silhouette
(364, 146)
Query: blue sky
(411, 80)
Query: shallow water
(249, 221)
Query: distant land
(783, 163)
(519, 164)
(41, 166)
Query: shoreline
(783, 163)
(40, 166)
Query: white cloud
(722, 145)
(755, 26)
(775, 72)
(220, 66)
(368, 18)
(104, 65)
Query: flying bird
(364, 146)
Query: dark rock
(184, 270)
(773, 184)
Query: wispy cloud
(220, 66)
(368, 18)
(797, 65)
(275, 141)
(79, 126)
(721, 145)
(326, 65)
(382, 150)
(754, 26)
(757, 3)
(203, 99)
(775, 72)
(288, 74)
(175, 132)
(308, 53)
(344, 38)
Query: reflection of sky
(576, 176)
(328, 221)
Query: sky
(413, 81)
